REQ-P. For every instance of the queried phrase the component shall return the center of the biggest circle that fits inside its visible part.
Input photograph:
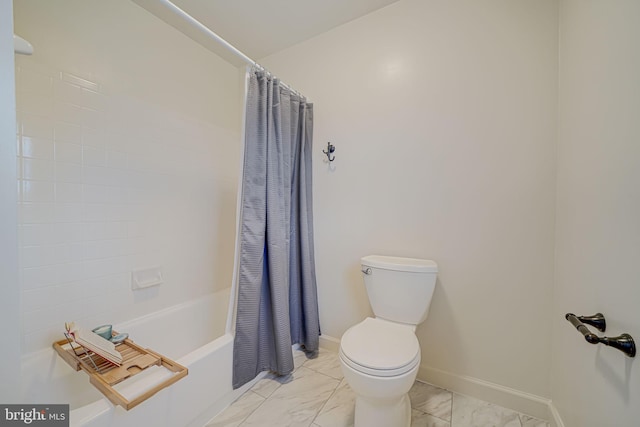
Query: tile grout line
(451, 411)
(264, 399)
(326, 401)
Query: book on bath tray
(95, 343)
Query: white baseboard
(520, 401)
(329, 343)
(516, 400)
(556, 420)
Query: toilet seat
(380, 348)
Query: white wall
(443, 117)
(598, 231)
(9, 288)
(128, 155)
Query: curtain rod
(231, 48)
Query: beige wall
(444, 119)
(128, 154)
(598, 231)
(443, 116)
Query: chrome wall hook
(330, 149)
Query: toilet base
(383, 413)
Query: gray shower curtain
(277, 299)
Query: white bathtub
(192, 333)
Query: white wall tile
(33, 103)
(106, 167)
(37, 234)
(37, 148)
(94, 156)
(32, 257)
(30, 213)
(105, 266)
(116, 159)
(93, 100)
(30, 81)
(36, 126)
(67, 132)
(96, 212)
(67, 92)
(70, 272)
(37, 169)
(80, 81)
(67, 232)
(94, 138)
(37, 191)
(68, 212)
(67, 152)
(68, 192)
(67, 113)
(101, 176)
(93, 119)
(37, 277)
(68, 172)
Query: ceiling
(259, 28)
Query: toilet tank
(399, 289)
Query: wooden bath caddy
(104, 374)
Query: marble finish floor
(316, 395)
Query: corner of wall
(9, 291)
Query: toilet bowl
(380, 356)
(380, 362)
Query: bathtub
(199, 342)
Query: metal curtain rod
(231, 48)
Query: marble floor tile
(238, 411)
(296, 403)
(266, 386)
(431, 400)
(299, 358)
(470, 412)
(528, 421)
(317, 395)
(271, 381)
(339, 409)
(327, 362)
(420, 419)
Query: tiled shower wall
(109, 183)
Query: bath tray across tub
(105, 376)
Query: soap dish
(117, 339)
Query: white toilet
(380, 356)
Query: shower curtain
(277, 299)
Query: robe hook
(330, 149)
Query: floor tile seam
(522, 414)
(335, 390)
(431, 415)
(326, 375)
(264, 399)
(279, 384)
(450, 401)
(450, 408)
(320, 372)
(309, 367)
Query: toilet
(380, 356)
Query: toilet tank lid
(400, 264)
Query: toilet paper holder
(624, 342)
